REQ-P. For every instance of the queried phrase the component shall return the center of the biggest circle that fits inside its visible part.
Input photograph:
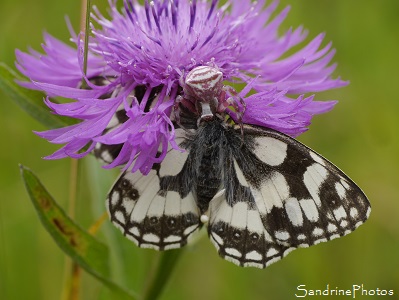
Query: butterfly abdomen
(208, 182)
(208, 166)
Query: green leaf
(29, 100)
(83, 248)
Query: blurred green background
(360, 135)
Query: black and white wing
(279, 195)
(107, 153)
(157, 210)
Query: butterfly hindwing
(154, 211)
(239, 235)
(279, 195)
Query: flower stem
(162, 273)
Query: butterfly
(260, 193)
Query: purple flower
(137, 61)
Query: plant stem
(73, 187)
(96, 226)
(72, 281)
(86, 32)
(163, 272)
(72, 269)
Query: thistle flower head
(138, 59)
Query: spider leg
(230, 104)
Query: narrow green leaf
(29, 100)
(83, 248)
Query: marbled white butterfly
(261, 193)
